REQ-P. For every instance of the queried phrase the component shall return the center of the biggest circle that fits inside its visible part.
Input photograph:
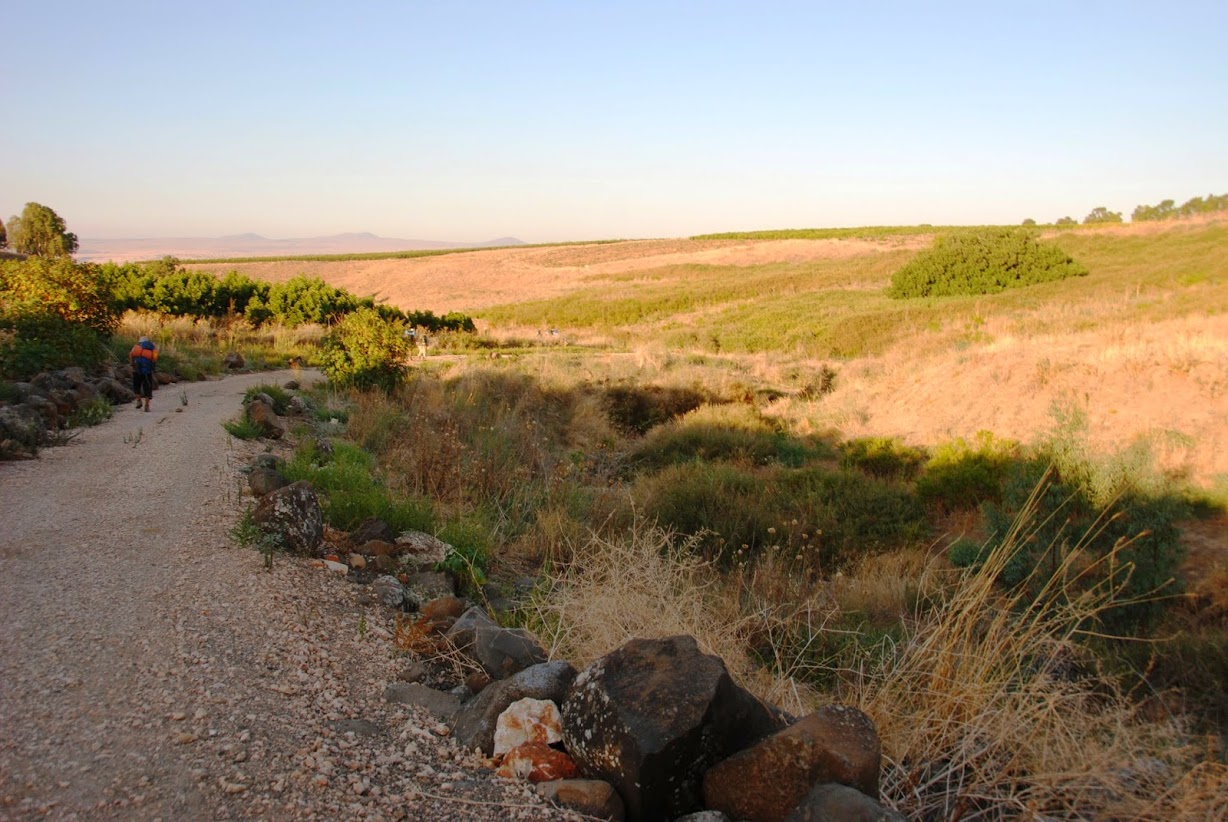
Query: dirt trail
(149, 669)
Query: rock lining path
(150, 669)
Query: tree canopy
(1100, 214)
(41, 232)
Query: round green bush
(982, 261)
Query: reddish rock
(444, 607)
(477, 681)
(834, 744)
(591, 797)
(263, 417)
(377, 548)
(537, 762)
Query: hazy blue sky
(585, 120)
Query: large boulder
(831, 801)
(234, 360)
(500, 651)
(263, 416)
(653, 716)
(464, 631)
(389, 590)
(21, 430)
(422, 549)
(48, 410)
(475, 724)
(115, 391)
(836, 743)
(292, 514)
(503, 651)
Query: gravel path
(150, 669)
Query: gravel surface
(150, 669)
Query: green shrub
(33, 343)
(730, 432)
(94, 412)
(885, 457)
(961, 475)
(243, 429)
(821, 517)
(351, 492)
(983, 261)
(636, 408)
(852, 514)
(470, 559)
(366, 351)
(720, 504)
(1129, 547)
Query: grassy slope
(835, 308)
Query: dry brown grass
(645, 583)
(986, 709)
(988, 712)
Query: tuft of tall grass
(351, 491)
(990, 709)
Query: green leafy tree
(1065, 221)
(1100, 214)
(366, 350)
(1203, 205)
(53, 313)
(41, 232)
(1029, 221)
(1164, 210)
(4, 239)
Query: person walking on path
(144, 357)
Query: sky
(557, 121)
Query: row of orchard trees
(56, 312)
(1165, 210)
(168, 288)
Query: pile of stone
(656, 730)
(40, 408)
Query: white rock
(527, 720)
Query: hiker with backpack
(144, 357)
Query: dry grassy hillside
(1140, 375)
(474, 280)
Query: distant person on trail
(423, 342)
(144, 357)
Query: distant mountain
(253, 245)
